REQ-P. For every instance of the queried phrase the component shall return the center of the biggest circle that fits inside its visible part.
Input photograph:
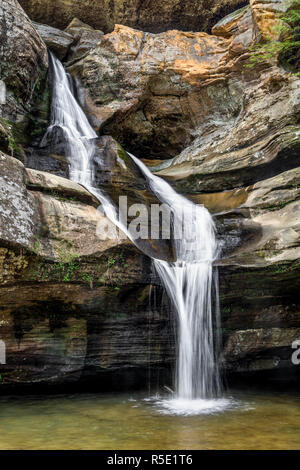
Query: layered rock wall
(154, 15)
(75, 307)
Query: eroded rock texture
(211, 124)
(192, 97)
(153, 15)
(23, 69)
(75, 306)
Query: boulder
(19, 216)
(228, 26)
(56, 40)
(85, 39)
(39, 210)
(265, 15)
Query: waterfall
(70, 125)
(189, 281)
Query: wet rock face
(23, 70)
(118, 176)
(23, 54)
(258, 227)
(260, 318)
(75, 306)
(83, 334)
(154, 15)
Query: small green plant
(12, 145)
(120, 259)
(280, 269)
(111, 261)
(37, 247)
(86, 277)
(61, 197)
(67, 263)
(283, 43)
(66, 277)
(227, 310)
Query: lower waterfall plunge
(189, 281)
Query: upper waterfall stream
(189, 281)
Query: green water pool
(243, 420)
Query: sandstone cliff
(23, 68)
(74, 306)
(153, 15)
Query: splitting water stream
(189, 281)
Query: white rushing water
(70, 124)
(189, 281)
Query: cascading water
(189, 283)
(70, 125)
(189, 280)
